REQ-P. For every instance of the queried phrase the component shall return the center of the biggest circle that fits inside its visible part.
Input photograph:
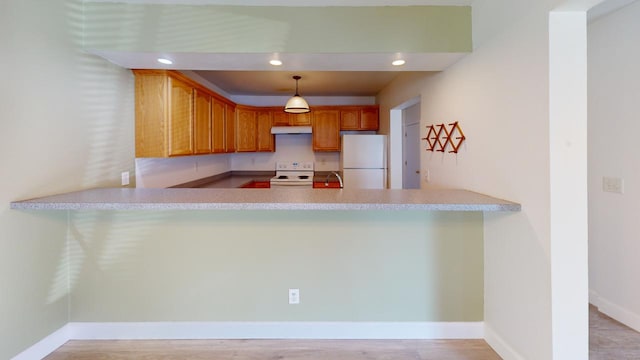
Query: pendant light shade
(297, 104)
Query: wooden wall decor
(440, 137)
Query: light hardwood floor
(276, 349)
(608, 340)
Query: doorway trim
(395, 141)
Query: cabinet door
(350, 119)
(300, 119)
(202, 127)
(151, 115)
(280, 118)
(180, 118)
(326, 130)
(369, 119)
(246, 139)
(230, 128)
(266, 141)
(218, 126)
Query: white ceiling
(322, 74)
(313, 83)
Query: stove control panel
(294, 166)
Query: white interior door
(411, 148)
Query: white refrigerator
(363, 161)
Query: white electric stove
(293, 173)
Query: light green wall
(498, 93)
(67, 124)
(33, 276)
(239, 265)
(240, 29)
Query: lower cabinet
(326, 185)
(256, 185)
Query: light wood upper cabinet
(300, 119)
(253, 130)
(180, 118)
(151, 109)
(218, 126)
(350, 119)
(359, 118)
(176, 116)
(202, 126)
(369, 118)
(281, 118)
(326, 130)
(230, 128)
(246, 136)
(266, 141)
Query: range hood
(291, 130)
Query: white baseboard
(253, 330)
(615, 311)
(499, 345)
(594, 298)
(278, 330)
(45, 346)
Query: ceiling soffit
(244, 38)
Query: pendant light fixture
(297, 105)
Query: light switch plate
(125, 178)
(613, 185)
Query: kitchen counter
(234, 179)
(268, 199)
(237, 179)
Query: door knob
(417, 171)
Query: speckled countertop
(268, 199)
(238, 178)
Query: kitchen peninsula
(268, 199)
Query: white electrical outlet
(613, 185)
(294, 296)
(125, 178)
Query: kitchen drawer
(256, 185)
(323, 185)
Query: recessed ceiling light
(165, 61)
(275, 62)
(398, 62)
